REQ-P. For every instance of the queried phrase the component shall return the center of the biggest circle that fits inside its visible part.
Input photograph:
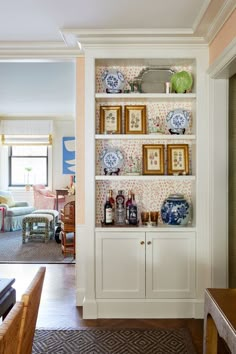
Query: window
(28, 165)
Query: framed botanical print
(110, 119)
(178, 159)
(153, 159)
(135, 119)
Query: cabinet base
(134, 308)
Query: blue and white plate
(111, 159)
(178, 121)
(113, 81)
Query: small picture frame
(110, 119)
(178, 159)
(153, 159)
(135, 119)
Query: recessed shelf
(145, 178)
(144, 137)
(144, 96)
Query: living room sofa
(12, 212)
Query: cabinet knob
(142, 242)
(149, 242)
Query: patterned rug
(36, 251)
(113, 341)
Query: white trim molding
(222, 16)
(224, 66)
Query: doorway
(232, 183)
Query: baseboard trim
(134, 308)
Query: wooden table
(219, 319)
(63, 191)
(7, 296)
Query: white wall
(39, 90)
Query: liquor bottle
(133, 211)
(112, 201)
(120, 208)
(108, 211)
(120, 199)
(128, 203)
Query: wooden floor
(58, 306)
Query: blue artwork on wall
(68, 153)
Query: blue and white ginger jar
(175, 210)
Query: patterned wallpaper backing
(149, 194)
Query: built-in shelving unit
(142, 271)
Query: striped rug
(113, 341)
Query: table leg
(210, 336)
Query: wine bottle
(133, 211)
(128, 203)
(108, 211)
(112, 201)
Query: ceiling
(39, 22)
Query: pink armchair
(45, 199)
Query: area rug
(113, 341)
(36, 251)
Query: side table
(2, 212)
(219, 319)
(63, 192)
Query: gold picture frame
(153, 159)
(110, 119)
(135, 119)
(178, 159)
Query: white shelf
(144, 137)
(145, 178)
(143, 96)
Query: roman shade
(26, 132)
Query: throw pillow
(9, 200)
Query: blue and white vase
(176, 210)
(113, 81)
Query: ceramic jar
(113, 81)
(175, 210)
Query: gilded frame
(153, 159)
(135, 119)
(178, 159)
(110, 119)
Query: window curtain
(26, 132)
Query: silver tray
(153, 79)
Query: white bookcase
(144, 272)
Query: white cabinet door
(120, 264)
(170, 265)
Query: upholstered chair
(46, 199)
(12, 212)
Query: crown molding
(222, 16)
(91, 37)
(221, 67)
(200, 15)
(49, 51)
